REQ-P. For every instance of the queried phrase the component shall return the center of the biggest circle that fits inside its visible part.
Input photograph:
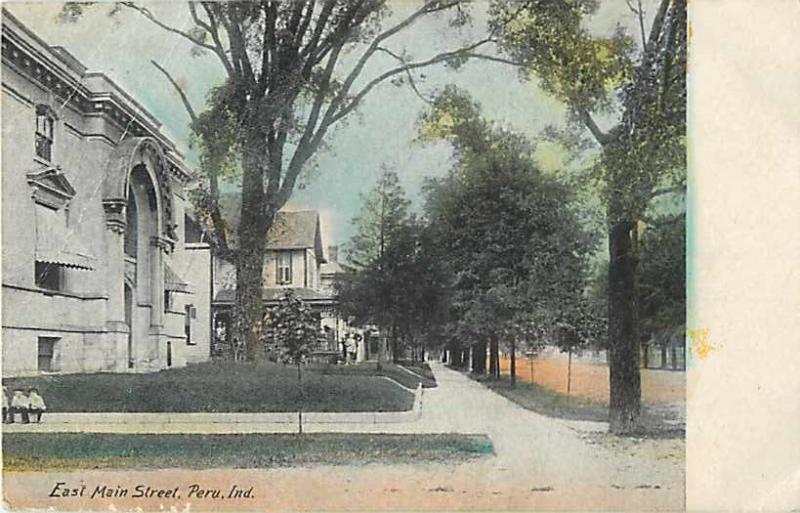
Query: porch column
(118, 331)
(115, 263)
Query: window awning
(55, 242)
(65, 254)
(173, 282)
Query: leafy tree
(569, 341)
(293, 71)
(378, 252)
(643, 86)
(292, 333)
(516, 250)
(426, 288)
(662, 292)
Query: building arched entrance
(138, 207)
(144, 285)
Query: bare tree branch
(373, 47)
(311, 139)
(196, 18)
(655, 29)
(338, 110)
(220, 228)
(238, 44)
(151, 17)
(494, 58)
(639, 12)
(187, 105)
(411, 81)
(304, 146)
(221, 51)
(600, 136)
(442, 57)
(319, 26)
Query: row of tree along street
(504, 256)
(516, 252)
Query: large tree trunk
(494, 358)
(254, 223)
(455, 355)
(623, 324)
(395, 345)
(479, 358)
(248, 311)
(513, 368)
(674, 352)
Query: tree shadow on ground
(658, 422)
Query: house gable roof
(291, 229)
(296, 230)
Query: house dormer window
(45, 122)
(284, 268)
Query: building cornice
(92, 94)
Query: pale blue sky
(383, 131)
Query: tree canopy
(514, 246)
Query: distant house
(331, 270)
(294, 260)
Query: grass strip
(74, 451)
(545, 401)
(389, 370)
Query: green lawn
(421, 368)
(219, 386)
(387, 369)
(655, 423)
(70, 451)
(545, 401)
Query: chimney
(333, 253)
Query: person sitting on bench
(5, 406)
(37, 406)
(19, 404)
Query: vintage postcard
(345, 255)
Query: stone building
(97, 274)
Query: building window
(46, 345)
(284, 268)
(167, 301)
(191, 313)
(192, 232)
(45, 121)
(49, 276)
